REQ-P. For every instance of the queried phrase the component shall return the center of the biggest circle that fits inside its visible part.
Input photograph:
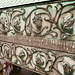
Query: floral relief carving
(68, 22)
(4, 24)
(37, 20)
(40, 21)
(67, 66)
(10, 21)
(44, 21)
(67, 25)
(36, 59)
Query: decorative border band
(56, 45)
(47, 20)
(43, 61)
(39, 54)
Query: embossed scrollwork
(45, 62)
(53, 21)
(10, 21)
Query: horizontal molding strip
(10, 3)
(42, 56)
(45, 43)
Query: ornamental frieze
(51, 21)
(39, 36)
(44, 43)
(42, 61)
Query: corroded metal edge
(44, 43)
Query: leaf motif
(60, 68)
(65, 73)
(67, 30)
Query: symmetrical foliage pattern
(51, 20)
(46, 62)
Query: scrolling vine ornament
(45, 56)
(47, 62)
(55, 21)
